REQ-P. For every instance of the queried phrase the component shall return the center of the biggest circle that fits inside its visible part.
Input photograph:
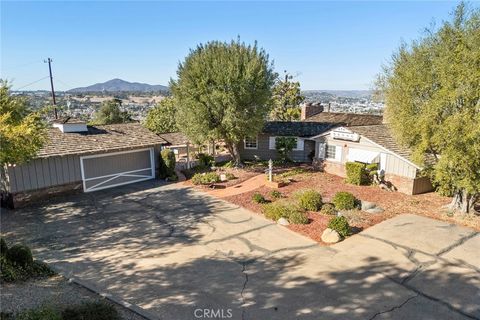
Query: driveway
(180, 254)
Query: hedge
(356, 173)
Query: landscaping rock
(283, 222)
(375, 210)
(366, 205)
(223, 177)
(330, 236)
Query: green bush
(205, 160)
(340, 224)
(20, 255)
(205, 178)
(40, 313)
(3, 247)
(344, 201)
(356, 173)
(298, 217)
(328, 209)
(91, 311)
(279, 209)
(8, 272)
(168, 157)
(258, 198)
(309, 199)
(276, 194)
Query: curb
(111, 297)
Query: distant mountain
(341, 93)
(116, 85)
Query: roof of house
(381, 135)
(97, 139)
(174, 138)
(346, 119)
(296, 128)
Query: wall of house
(263, 151)
(393, 164)
(49, 172)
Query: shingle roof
(174, 138)
(381, 135)
(296, 128)
(346, 119)
(98, 139)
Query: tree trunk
(233, 150)
(463, 201)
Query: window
(331, 152)
(299, 146)
(250, 143)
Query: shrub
(230, 176)
(277, 210)
(328, 209)
(258, 198)
(340, 224)
(3, 247)
(205, 160)
(205, 178)
(356, 173)
(298, 217)
(276, 194)
(344, 201)
(8, 272)
(284, 145)
(20, 255)
(91, 311)
(40, 313)
(309, 199)
(168, 157)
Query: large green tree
(22, 132)
(223, 92)
(287, 98)
(432, 94)
(161, 118)
(110, 112)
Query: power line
(32, 83)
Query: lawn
(394, 203)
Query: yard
(393, 203)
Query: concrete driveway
(180, 254)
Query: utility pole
(49, 61)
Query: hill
(118, 85)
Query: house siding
(49, 172)
(263, 151)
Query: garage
(109, 170)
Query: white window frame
(338, 153)
(141, 177)
(250, 148)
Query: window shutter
(271, 143)
(338, 153)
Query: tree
(287, 98)
(432, 93)
(22, 132)
(110, 113)
(161, 118)
(284, 145)
(223, 92)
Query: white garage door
(109, 170)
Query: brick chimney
(310, 109)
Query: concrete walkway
(246, 186)
(180, 254)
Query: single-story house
(370, 144)
(81, 157)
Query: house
(332, 139)
(81, 157)
(371, 144)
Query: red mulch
(240, 176)
(394, 203)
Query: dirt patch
(394, 203)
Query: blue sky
(327, 45)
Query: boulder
(366, 205)
(283, 222)
(330, 236)
(375, 210)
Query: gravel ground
(55, 291)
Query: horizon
(325, 45)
